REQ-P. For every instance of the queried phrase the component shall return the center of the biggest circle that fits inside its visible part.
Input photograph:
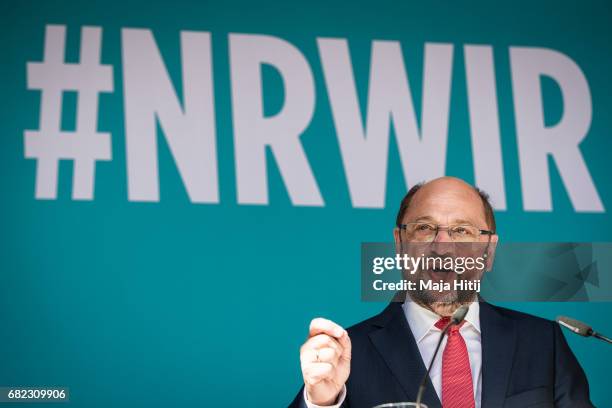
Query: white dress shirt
(422, 323)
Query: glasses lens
(464, 233)
(420, 231)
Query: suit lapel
(498, 336)
(397, 346)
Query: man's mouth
(445, 274)
(442, 270)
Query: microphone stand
(602, 337)
(422, 386)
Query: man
(495, 358)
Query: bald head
(447, 200)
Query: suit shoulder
(370, 324)
(524, 319)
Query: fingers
(345, 343)
(321, 348)
(328, 355)
(315, 373)
(321, 355)
(323, 340)
(325, 361)
(321, 325)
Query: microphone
(459, 314)
(455, 319)
(581, 328)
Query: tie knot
(443, 322)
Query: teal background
(177, 304)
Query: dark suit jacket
(526, 362)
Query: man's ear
(397, 240)
(491, 251)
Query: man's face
(445, 202)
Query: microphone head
(576, 326)
(459, 314)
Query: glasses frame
(439, 227)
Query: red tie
(457, 388)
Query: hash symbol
(85, 145)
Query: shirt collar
(422, 320)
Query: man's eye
(425, 227)
(464, 231)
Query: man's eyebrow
(457, 221)
(461, 221)
(423, 218)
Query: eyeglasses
(426, 232)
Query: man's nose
(443, 235)
(443, 245)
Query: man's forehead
(453, 204)
(440, 218)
